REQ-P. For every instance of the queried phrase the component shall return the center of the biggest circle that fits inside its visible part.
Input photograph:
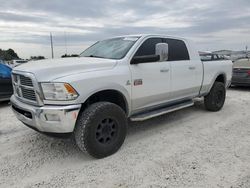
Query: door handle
(192, 68)
(164, 70)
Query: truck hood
(51, 69)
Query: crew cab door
(186, 74)
(151, 80)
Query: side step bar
(161, 111)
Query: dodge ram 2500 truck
(134, 77)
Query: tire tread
(209, 99)
(84, 121)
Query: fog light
(52, 117)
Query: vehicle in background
(1, 61)
(6, 89)
(16, 62)
(134, 77)
(241, 73)
(209, 56)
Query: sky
(25, 25)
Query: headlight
(58, 91)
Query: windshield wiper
(94, 56)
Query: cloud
(212, 24)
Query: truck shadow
(240, 88)
(4, 104)
(166, 121)
(51, 148)
(62, 148)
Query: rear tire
(215, 100)
(101, 129)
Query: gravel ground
(188, 148)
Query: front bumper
(48, 118)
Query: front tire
(215, 100)
(101, 129)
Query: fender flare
(114, 87)
(215, 77)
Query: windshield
(115, 48)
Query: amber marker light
(70, 89)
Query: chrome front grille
(24, 88)
(26, 81)
(29, 94)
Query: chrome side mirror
(161, 49)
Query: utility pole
(65, 40)
(247, 52)
(51, 45)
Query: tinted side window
(148, 47)
(177, 50)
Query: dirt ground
(188, 148)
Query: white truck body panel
(152, 91)
(161, 82)
(212, 69)
(51, 69)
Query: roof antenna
(51, 45)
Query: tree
(8, 55)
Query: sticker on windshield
(131, 38)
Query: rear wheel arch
(221, 78)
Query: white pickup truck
(134, 77)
